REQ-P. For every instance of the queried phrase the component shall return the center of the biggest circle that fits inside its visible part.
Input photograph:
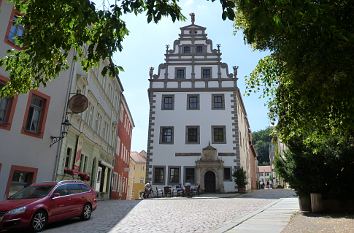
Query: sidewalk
(273, 218)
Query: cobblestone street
(200, 214)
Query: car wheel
(39, 221)
(86, 212)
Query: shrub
(240, 178)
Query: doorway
(210, 182)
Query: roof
(138, 157)
(264, 169)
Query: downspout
(59, 147)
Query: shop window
(227, 173)
(189, 175)
(159, 175)
(174, 175)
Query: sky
(145, 47)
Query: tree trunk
(316, 202)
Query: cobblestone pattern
(165, 214)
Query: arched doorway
(209, 182)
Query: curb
(228, 226)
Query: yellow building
(137, 174)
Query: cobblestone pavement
(203, 214)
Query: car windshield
(32, 192)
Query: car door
(77, 198)
(60, 205)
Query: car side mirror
(54, 195)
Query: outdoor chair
(187, 191)
(167, 191)
(159, 192)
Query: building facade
(122, 157)
(88, 150)
(27, 121)
(198, 128)
(137, 173)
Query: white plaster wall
(179, 118)
(213, 84)
(186, 85)
(228, 84)
(200, 84)
(172, 85)
(157, 84)
(22, 150)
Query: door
(209, 182)
(62, 205)
(98, 179)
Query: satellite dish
(78, 103)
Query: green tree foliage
(328, 171)
(262, 141)
(309, 75)
(54, 29)
(240, 178)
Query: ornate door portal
(210, 182)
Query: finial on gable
(151, 72)
(235, 72)
(192, 17)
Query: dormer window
(206, 72)
(180, 73)
(186, 49)
(199, 49)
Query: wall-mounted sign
(78, 103)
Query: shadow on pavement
(329, 215)
(105, 217)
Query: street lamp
(64, 131)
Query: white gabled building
(198, 128)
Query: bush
(240, 178)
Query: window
(180, 73)
(192, 135)
(167, 102)
(189, 175)
(63, 190)
(20, 177)
(7, 108)
(199, 49)
(227, 173)
(218, 101)
(206, 72)
(192, 102)
(218, 134)
(166, 135)
(98, 123)
(173, 175)
(159, 175)
(14, 30)
(36, 113)
(186, 49)
(68, 157)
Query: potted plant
(240, 179)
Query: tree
(240, 179)
(54, 29)
(262, 141)
(309, 75)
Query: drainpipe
(59, 147)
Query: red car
(39, 204)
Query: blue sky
(145, 47)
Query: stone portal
(210, 171)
